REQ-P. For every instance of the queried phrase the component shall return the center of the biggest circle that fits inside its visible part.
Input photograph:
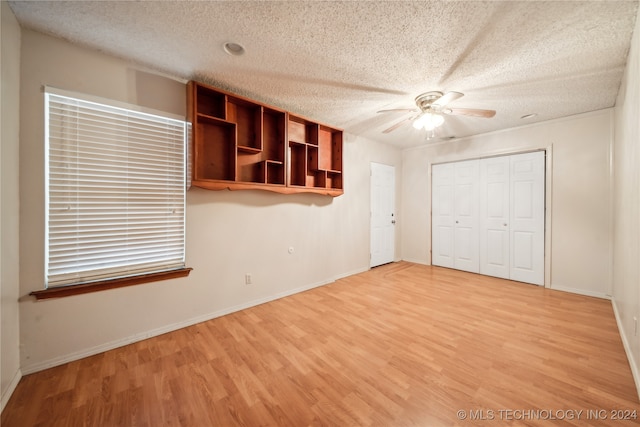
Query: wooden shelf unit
(315, 155)
(240, 144)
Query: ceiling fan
(431, 107)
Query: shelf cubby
(210, 103)
(330, 149)
(298, 163)
(316, 179)
(334, 180)
(274, 172)
(273, 134)
(302, 130)
(250, 168)
(312, 158)
(248, 118)
(215, 149)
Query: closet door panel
(494, 217)
(527, 218)
(466, 226)
(442, 210)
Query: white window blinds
(115, 191)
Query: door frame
(548, 181)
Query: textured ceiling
(340, 62)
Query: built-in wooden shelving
(240, 144)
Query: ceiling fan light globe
(432, 121)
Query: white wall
(580, 194)
(228, 233)
(626, 235)
(9, 199)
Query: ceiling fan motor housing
(425, 100)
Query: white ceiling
(340, 62)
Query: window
(115, 192)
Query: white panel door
(494, 217)
(442, 209)
(466, 222)
(527, 217)
(383, 220)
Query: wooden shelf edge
(294, 142)
(103, 285)
(213, 119)
(276, 188)
(247, 149)
(332, 171)
(234, 185)
(333, 192)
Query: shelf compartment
(262, 172)
(316, 179)
(330, 149)
(248, 117)
(250, 168)
(301, 130)
(210, 103)
(273, 134)
(312, 158)
(334, 180)
(215, 149)
(275, 172)
(298, 163)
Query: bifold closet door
(442, 205)
(465, 216)
(512, 217)
(488, 216)
(527, 217)
(494, 217)
(454, 213)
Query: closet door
(494, 217)
(466, 223)
(488, 216)
(442, 208)
(527, 218)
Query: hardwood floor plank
(400, 345)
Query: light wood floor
(400, 345)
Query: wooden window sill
(65, 291)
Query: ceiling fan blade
(397, 125)
(470, 112)
(447, 98)
(408, 110)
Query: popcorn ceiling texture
(340, 62)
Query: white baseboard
(627, 347)
(9, 391)
(29, 369)
(581, 292)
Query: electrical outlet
(247, 279)
(635, 325)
